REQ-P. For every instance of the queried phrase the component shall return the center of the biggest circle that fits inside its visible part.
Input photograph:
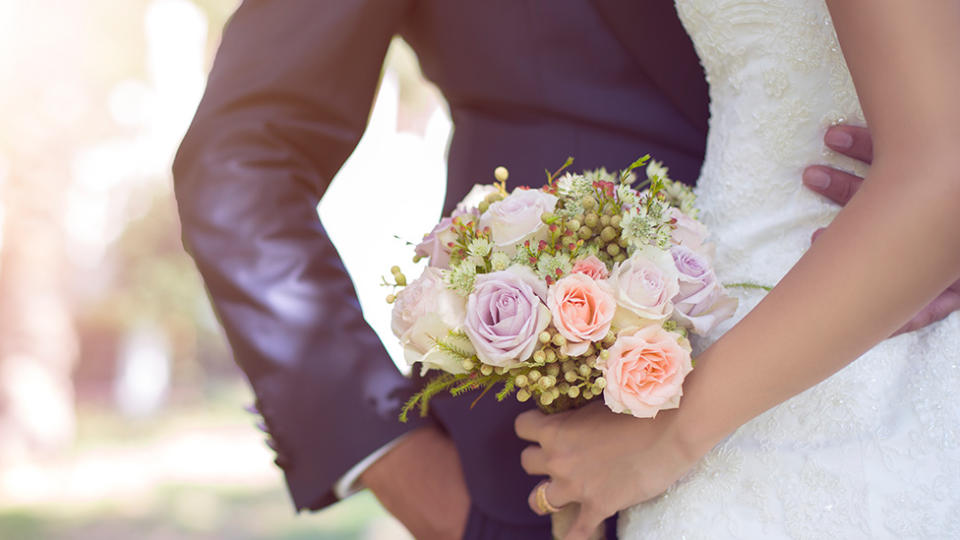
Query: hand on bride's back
(840, 186)
(603, 461)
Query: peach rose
(582, 312)
(591, 266)
(645, 371)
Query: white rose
(516, 218)
(425, 311)
(690, 233)
(477, 194)
(643, 287)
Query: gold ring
(542, 503)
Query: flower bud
(559, 340)
(551, 356)
(534, 375)
(544, 337)
(604, 220)
(622, 242)
(570, 376)
(417, 258)
(499, 370)
(608, 234)
(467, 364)
(483, 207)
(486, 370)
(555, 392)
(501, 174)
(546, 399)
(539, 356)
(585, 232)
(563, 388)
(615, 221)
(547, 217)
(600, 383)
(573, 392)
(604, 354)
(587, 394)
(588, 202)
(391, 298)
(521, 380)
(394, 269)
(523, 395)
(585, 370)
(609, 339)
(573, 225)
(553, 370)
(596, 389)
(613, 250)
(620, 258)
(591, 220)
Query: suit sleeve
(287, 101)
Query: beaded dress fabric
(874, 451)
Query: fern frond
(507, 389)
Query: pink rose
(645, 371)
(702, 302)
(582, 312)
(591, 266)
(505, 315)
(427, 310)
(517, 218)
(643, 287)
(689, 232)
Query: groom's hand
(420, 482)
(839, 186)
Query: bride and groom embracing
(780, 432)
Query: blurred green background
(120, 407)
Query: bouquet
(588, 286)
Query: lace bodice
(873, 451)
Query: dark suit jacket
(529, 82)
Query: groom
(529, 82)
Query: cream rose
(426, 310)
(517, 218)
(645, 371)
(643, 287)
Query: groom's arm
(839, 186)
(286, 103)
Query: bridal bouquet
(585, 287)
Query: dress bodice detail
(873, 451)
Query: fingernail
(816, 179)
(838, 139)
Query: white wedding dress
(874, 451)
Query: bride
(781, 434)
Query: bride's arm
(892, 250)
(888, 253)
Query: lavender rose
(643, 287)
(702, 302)
(516, 219)
(426, 310)
(505, 315)
(436, 245)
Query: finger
(852, 141)
(816, 234)
(529, 425)
(534, 461)
(834, 184)
(534, 504)
(939, 309)
(587, 521)
(553, 499)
